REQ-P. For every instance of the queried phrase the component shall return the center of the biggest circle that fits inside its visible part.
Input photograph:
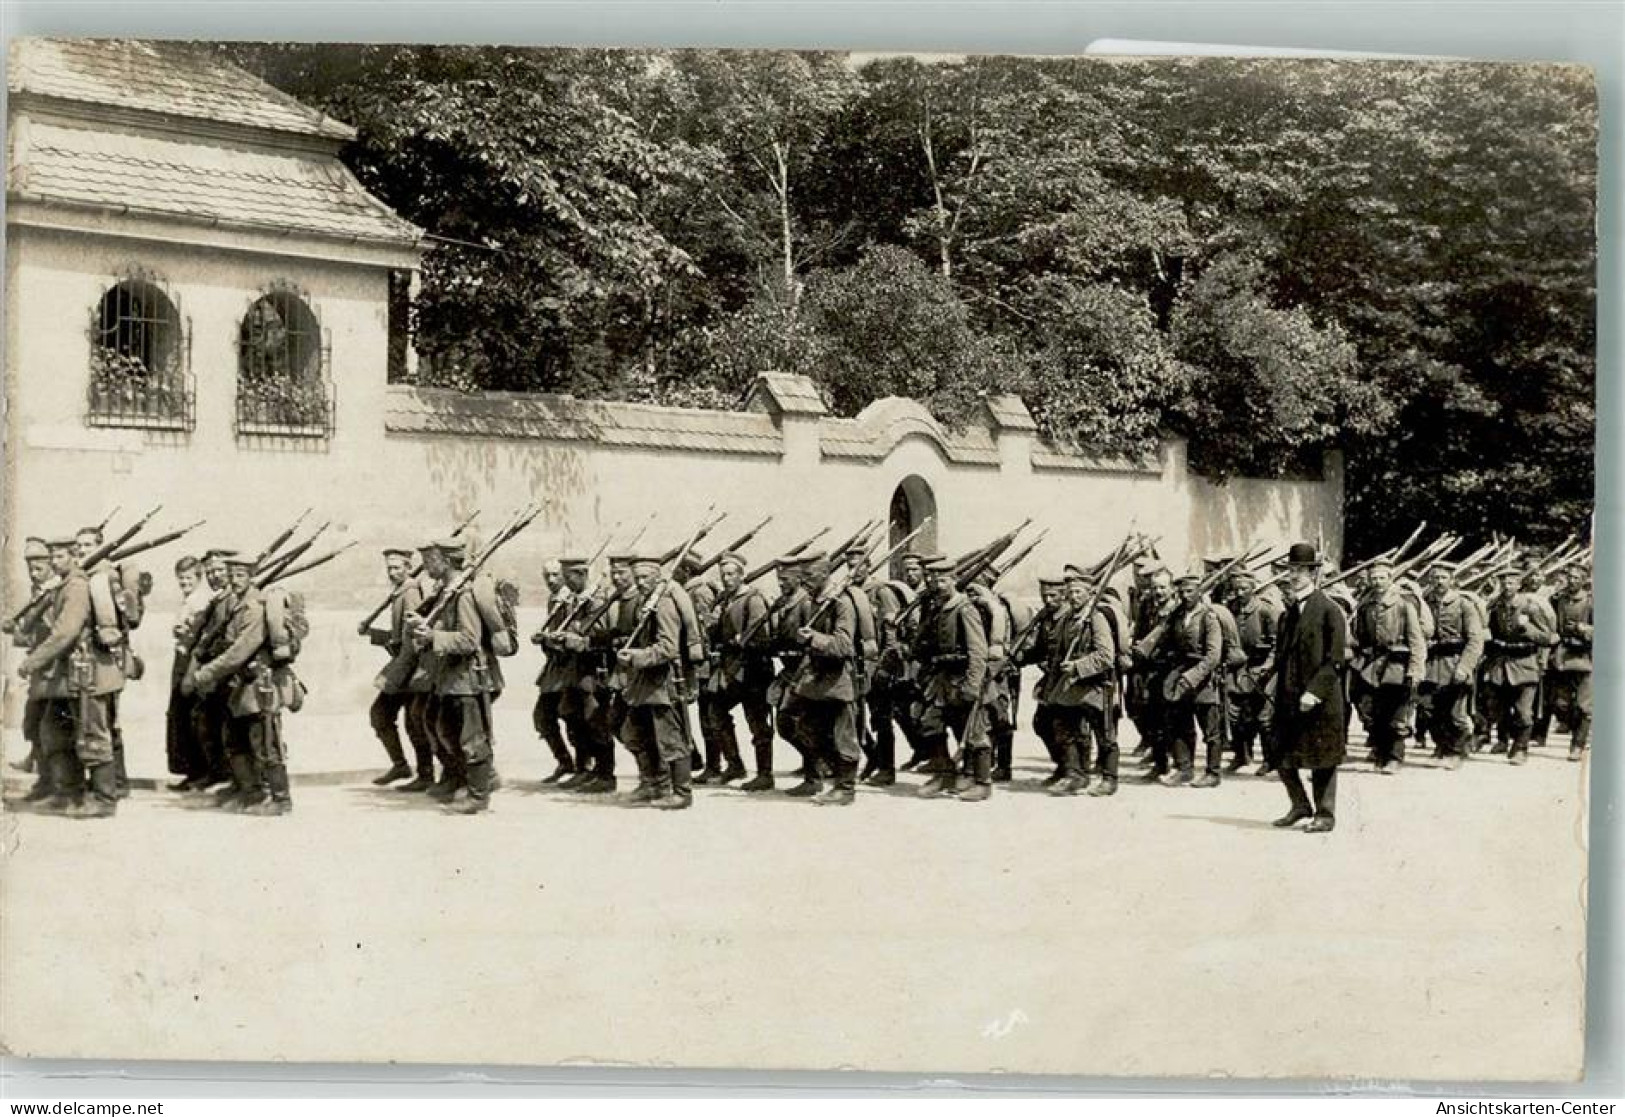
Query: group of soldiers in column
(238, 631)
(852, 652)
(844, 659)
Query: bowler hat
(1302, 554)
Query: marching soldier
(1154, 600)
(608, 680)
(740, 674)
(890, 688)
(1039, 648)
(574, 664)
(393, 695)
(1517, 634)
(78, 675)
(823, 693)
(1248, 688)
(566, 580)
(1003, 689)
(255, 690)
(1390, 656)
(1570, 675)
(117, 607)
(693, 602)
(1185, 649)
(652, 729)
(1535, 587)
(950, 645)
(1454, 654)
(463, 671)
(1078, 690)
(795, 605)
(37, 558)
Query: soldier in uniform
(392, 694)
(463, 670)
(1002, 702)
(798, 586)
(255, 691)
(1310, 729)
(950, 646)
(1518, 632)
(566, 589)
(890, 686)
(1078, 689)
(37, 559)
(1536, 588)
(1454, 653)
(1185, 649)
(1390, 656)
(1039, 648)
(203, 638)
(605, 683)
(823, 694)
(741, 671)
(650, 658)
(1248, 690)
(1570, 675)
(1154, 600)
(78, 675)
(116, 607)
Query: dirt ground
(1437, 933)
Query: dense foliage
(1269, 257)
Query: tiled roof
(1047, 457)
(566, 419)
(176, 79)
(785, 393)
(309, 193)
(1010, 413)
(885, 423)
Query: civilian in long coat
(1310, 730)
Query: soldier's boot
(584, 774)
(945, 784)
(102, 802)
(480, 776)
(1003, 757)
(41, 789)
(843, 791)
(883, 777)
(279, 801)
(66, 781)
(811, 782)
(1518, 750)
(423, 781)
(981, 787)
(1070, 773)
(1581, 737)
(445, 788)
(45, 782)
(1106, 786)
(677, 792)
(244, 788)
(764, 770)
(399, 769)
(121, 776)
(733, 765)
(563, 764)
(712, 772)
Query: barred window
(283, 386)
(140, 372)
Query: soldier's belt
(950, 660)
(1448, 647)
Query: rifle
(43, 596)
(286, 572)
(1114, 562)
(684, 549)
(574, 601)
(647, 610)
(101, 528)
(772, 564)
(1009, 564)
(734, 546)
(465, 577)
(153, 544)
(394, 594)
(265, 575)
(279, 541)
(632, 542)
(862, 533)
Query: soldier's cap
(622, 559)
(646, 562)
(1381, 562)
(937, 564)
(448, 545)
(805, 559)
(1072, 572)
(909, 556)
(731, 558)
(219, 553)
(34, 547)
(1441, 566)
(1244, 572)
(690, 561)
(1195, 572)
(404, 552)
(572, 563)
(57, 543)
(1052, 582)
(1212, 565)
(816, 568)
(240, 560)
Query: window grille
(283, 385)
(140, 359)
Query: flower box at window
(138, 360)
(282, 382)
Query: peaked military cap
(938, 564)
(622, 559)
(572, 563)
(449, 544)
(731, 558)
(34, 547)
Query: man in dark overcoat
(1310, 730)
